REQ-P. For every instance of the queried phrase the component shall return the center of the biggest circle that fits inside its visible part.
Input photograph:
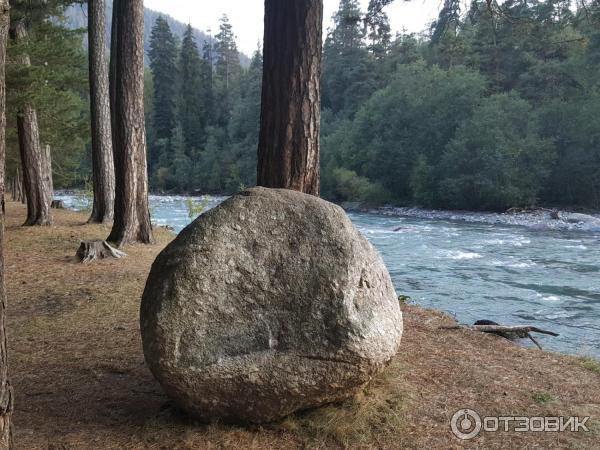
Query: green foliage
(163, 63)
(417, 114)
(55, 84)
(194, 208)
(212, 146)
(498, 107)
(348, 186)
(496, 159)
(404, 299)
(194, 93)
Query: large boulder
(270, 303)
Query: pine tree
(228, 68)
(243, 129)
(348, 72)
(132, 214)
(103, 169)
(192, 106)
(379, 30)
(227, 73)
(163, 63)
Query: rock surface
(270, 303)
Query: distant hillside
(77, 18)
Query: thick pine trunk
(132, 215)
(6, 399)
(288, 149)
(103, 170)
(34, 160)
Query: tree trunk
(103, 170)
(112, 71)
(288, 149)
(33, 158)
(47, 162)
(6, 399)
(132, 215)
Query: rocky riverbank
(537, 219)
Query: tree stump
(57, 204)
(92, 250)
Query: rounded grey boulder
(270, 303)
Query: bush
(349, 186)
(497, 158)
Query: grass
(541, 398)
(591, 364)
(378, 416)
(80, 381)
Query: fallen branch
(507, 332)
(92, 250)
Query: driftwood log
(92, 250)
(507, 332)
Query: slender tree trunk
(103, 170)
(33, 158)
(132, 215)
(6, 398)
(47, 162)
(288, 149)
(112, 69)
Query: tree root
(92, 250)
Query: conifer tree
(227, 66)
(103, 169)
(192, 95)
(132, 214)
(380, 34)
(348, 78)
(227, 73)
(163, 63)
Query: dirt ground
(80, 381)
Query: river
(475, 266)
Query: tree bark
(103, 170)
(132, 215)
(33, 159)
(288, 149)
(6, 398)
(47, 162)
(112, 70)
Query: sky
(246, 16)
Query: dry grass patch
(591, 364)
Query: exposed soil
(80, 381)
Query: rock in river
(270, 303)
